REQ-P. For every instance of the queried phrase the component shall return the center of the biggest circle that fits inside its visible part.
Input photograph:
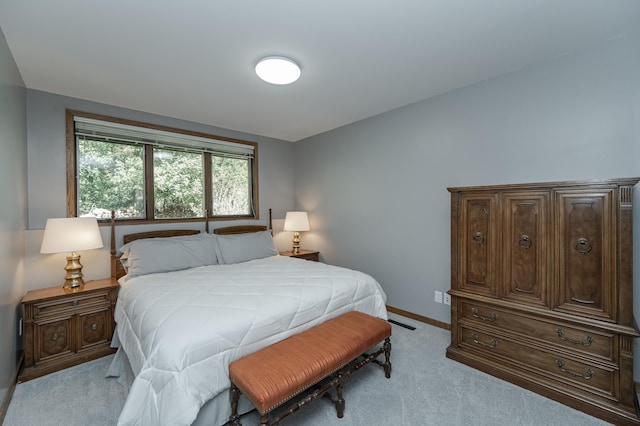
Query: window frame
(72, 172)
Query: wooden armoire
(542, 290)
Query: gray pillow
(243, 247)
(148, 256)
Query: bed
(190, 303)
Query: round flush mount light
(277, 70)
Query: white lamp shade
(71, 234)
(296, 221)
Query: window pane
(231, 186)
(110, 177)
(178, 184)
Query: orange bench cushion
(278, 372)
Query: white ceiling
(194, 59)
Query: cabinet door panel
(478, 266)
(53, 338)
(586, 236)
(94, 328)
(525, 247)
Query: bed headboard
(242, 229)
(117, 270)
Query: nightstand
(63, 328)
(303, 254)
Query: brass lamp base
(73, 277)
(296, 243)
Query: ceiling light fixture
(277, 70)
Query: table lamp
(296, 222)
(71, 235)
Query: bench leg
(234, 395)
(339, 398)
(387, 356)
(264, 420)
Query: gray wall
(13, 210)
(47, 180)
(376, 189)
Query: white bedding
(180, 330)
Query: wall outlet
(438, 296)
(447, 299)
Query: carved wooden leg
(264, 420)
(234, 395)
(339, 398)
(387, 355)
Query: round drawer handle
(54, 337)
(94, 326)
(525, 242)
(478, 238)
(583, 246)
(75, 302)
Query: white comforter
(181, 329)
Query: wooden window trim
(72, 190)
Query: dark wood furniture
(66, 327)
(541, 286)
(327, 353)
(303, 254)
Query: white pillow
(243, 247)
(148, 256)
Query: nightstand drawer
(66, 304)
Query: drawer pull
(54, 336)
(583, 246)
(492, 345)
(478, 238)
(588, 373)
(475, 313)
(75, 302)
(94, 326)
(587, 341)
(525, 242)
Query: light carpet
(425, 388)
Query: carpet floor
(425, 388)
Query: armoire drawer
(562, 368)
(591, 342)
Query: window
(147, 173)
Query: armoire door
(479, 262)
(585, 237)
(526, 248)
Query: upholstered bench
(324, 355)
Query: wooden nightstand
(303, 254)
(63, 328)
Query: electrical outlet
(438, 296)
(447, 299)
